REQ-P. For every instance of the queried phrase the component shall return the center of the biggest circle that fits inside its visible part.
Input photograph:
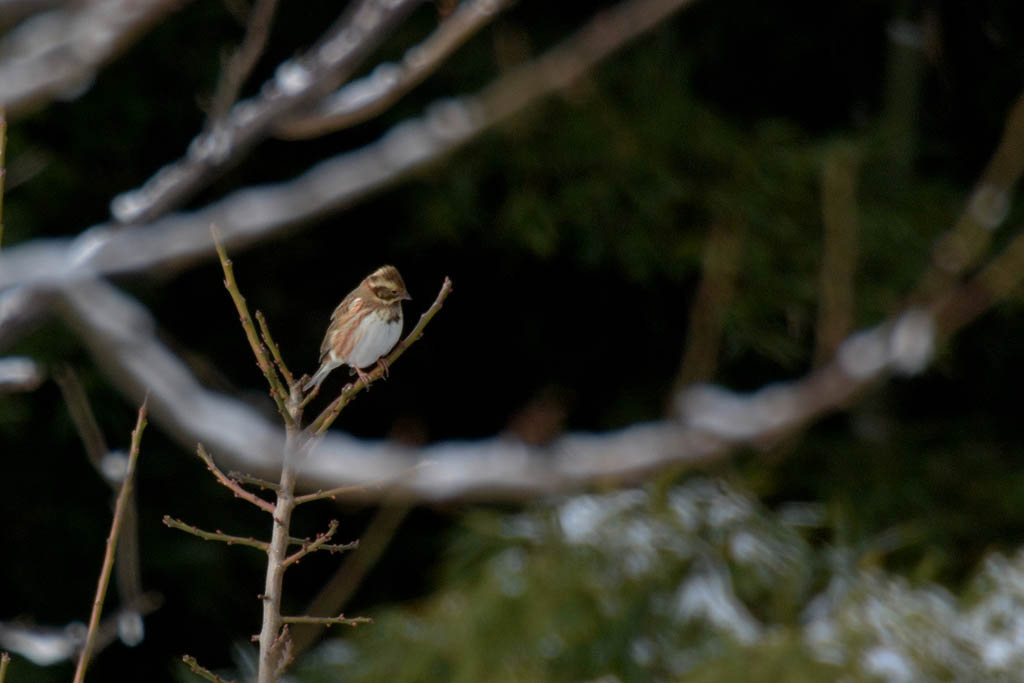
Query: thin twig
(327, 417)
(274, 350)
(82, 416)
(108, 557)
(239, 492)
(356, 488)
(336, 593)
(263, 358)
(214, 535)
(5, 659)
(242, 60)
(201, 671)
(328, 621)
(243, 478)
(128, 578)
(313, 546)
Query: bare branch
(364, 98)
(962, 247)
(341, 619)
(274, 350)
(108, 557)
(214, 535)
(707, 421)
(3, 167)
(335, 594)
(297, 83)
(22, 309)
(312, 547)
(231, 484)
(717, 284)
(201, 671)
(243, 478)
(57, 54)
(257, 214)
(243, 60)
(109, 466)
(83, 418)
(278, 391)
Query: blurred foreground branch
(257, 214)
(707, 420)
(57, 53)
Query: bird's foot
(364, 378)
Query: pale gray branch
(297, 84)
(366, 97)
(708, 421)
(256, 214)
(56, 54)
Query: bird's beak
(405, 297)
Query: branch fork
(275, 643)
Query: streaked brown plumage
(365, 325)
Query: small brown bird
(365, 326)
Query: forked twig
(274, 350)
(264, 359)
(312, 546)
(227, 481)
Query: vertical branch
(129, 582)
(108, 557)
(3, 168)
(5, 659)
(903, 79)
(263, 358)
(718, 282)
(273, 640)
(839, 259)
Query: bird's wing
(342, 316)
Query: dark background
(573, 234)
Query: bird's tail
(317, 377)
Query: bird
(364, 327)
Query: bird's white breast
(375, 337)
